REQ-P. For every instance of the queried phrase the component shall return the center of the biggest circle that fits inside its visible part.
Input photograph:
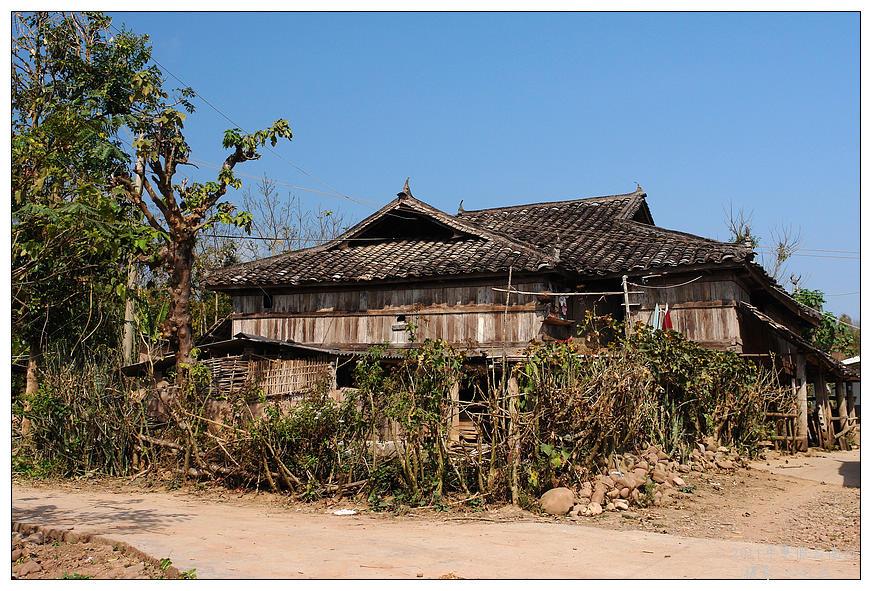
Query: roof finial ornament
(460, 209)
(406, 192)
(639, 188)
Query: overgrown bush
(654, 387)
(83, 420)
(551, 419)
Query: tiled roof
(599, 235)
(604, 235)
(838, 369)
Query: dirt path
(262, 540)
(759, 506)
(840, 468)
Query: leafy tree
(185, 209)
(833, 335)
(74, 85)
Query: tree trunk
(181, 333)
(34, 360)
(129, 316)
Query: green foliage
(165, 564)
(813, 298)
(76, 577)
(830, 335)
(309, 438)
(74, 86)
(189, 574)
(654, 387)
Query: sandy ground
(770, 503)
(751, 524)
(841, 468)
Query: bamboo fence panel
(275, 377)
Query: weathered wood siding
(462, 314)
(704, 311)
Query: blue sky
(704, 110)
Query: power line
(232, 122)
(817, 256)
(276, 181)
(665, 286)
(768, 247)
(251, 176)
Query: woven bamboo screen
(276, 377)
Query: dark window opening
(267, 302)
(474, 418)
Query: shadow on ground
(117, 515)
(850, 473)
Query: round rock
(557, 501)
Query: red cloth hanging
(667, 320)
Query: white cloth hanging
(655, 317)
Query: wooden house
(491, 281)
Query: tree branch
(136, 198)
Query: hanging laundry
(563, 305)
(655, 317)
(667, 319)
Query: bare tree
(785, 242)
(739, 225)
(280, 222)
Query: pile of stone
(711, 458)
(22, 563)
(649, 478)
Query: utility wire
(251, 176)
(821, 256)
(276, 181)
(232, 122)
(767, 247)
(665, 286)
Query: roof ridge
(452, 221)
(272, 258)
(662, 230)
(416, 204)
(598, 199)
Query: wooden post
(823, 413)
(514, 437)
(454, 428)
(841, 422)
(626, 305)
(800, 387)
(852, 413)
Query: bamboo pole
(842, 410)
(851, 400)
(800, 387)
(514, 438)
(822, 409)
(132, 277)
(454, 427)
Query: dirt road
(841, 468)
(261, 541)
